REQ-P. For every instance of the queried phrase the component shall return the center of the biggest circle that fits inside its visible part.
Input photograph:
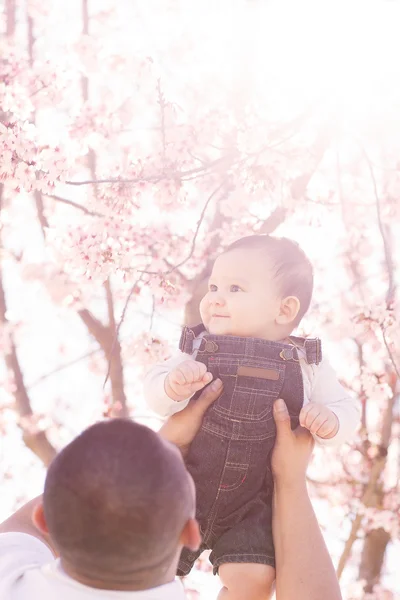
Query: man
(118, 507)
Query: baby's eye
(236, 288)
(212, 287)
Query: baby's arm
(332, 414)
(168, 386)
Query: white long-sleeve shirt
(321, 386)
(29, 571)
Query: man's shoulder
(21, 549)
(29, 570)
(19, 553)
(15, 540)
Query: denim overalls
(229, 458)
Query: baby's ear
(289, 310)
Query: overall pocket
(250, 388)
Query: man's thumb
(282, 417)
(209, 395)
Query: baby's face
(243, 299)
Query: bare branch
(36, 441)
(116, 330)
(167, 174)
(161, 102)
(369, 496)
(95, 327)
(66, 365)
(275, 219)
(40, 211)
(153, 310)
(113, 354)
(386, 245)
(177, 271)
(199, 223)
(75, 205)
(193, 245)
(10, 10)
(390, 353)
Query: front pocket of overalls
(250, 398)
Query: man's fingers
(302, 433)
(196, 386)
(208, 395)
(282, 418)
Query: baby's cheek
(203, 310)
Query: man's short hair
(116, 500)
(293, 271)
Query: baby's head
(260, 286)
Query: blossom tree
(138, 141)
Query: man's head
(118, 505)
(260, 286)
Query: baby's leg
(248, 581)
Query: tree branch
(36, 441)
(10, 10)
(115, 342)
(60, 368)
(376, 471)
(113, 353)
(161, 102)
(369, 496)
(95, 326)
(167, 174)
(36, 194)
(390, 353)
(193, 245)
(75, 205)
(386, 245)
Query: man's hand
(292, 450)
(181, 428)
(304, 571)
(186, 379)
(319, 420)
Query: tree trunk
(372, 558)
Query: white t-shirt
(28, 571)
(320, 385)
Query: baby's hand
(319, 420)
(186, 379)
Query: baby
(259, 290)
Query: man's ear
(289, 310)
(190, 536)
(39, 519)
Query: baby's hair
(293, 270)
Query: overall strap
(311, 347)
(188, 335)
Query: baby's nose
(218, 300)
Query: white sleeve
(327, 390)
(154, 390)
(19, 552)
